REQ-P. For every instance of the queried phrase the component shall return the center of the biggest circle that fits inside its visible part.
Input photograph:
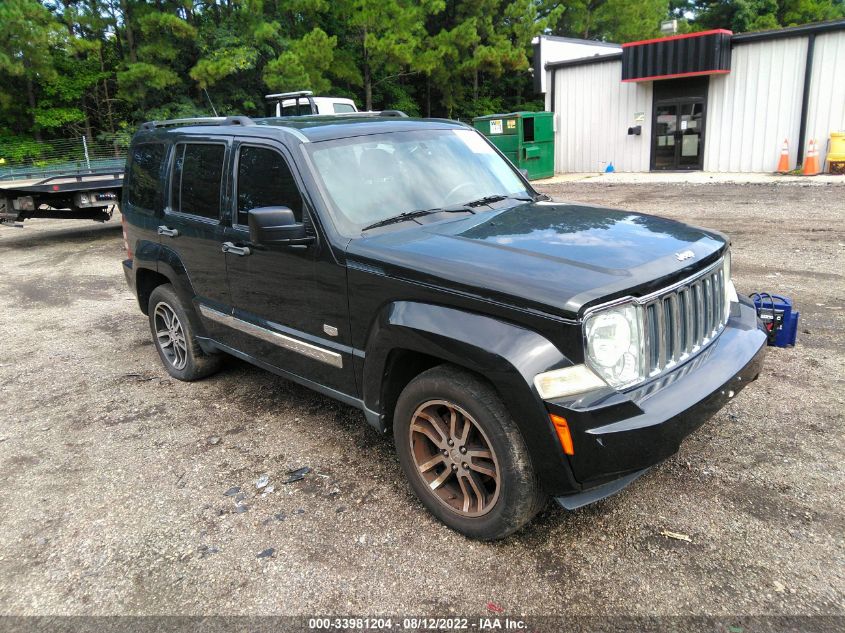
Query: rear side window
(144, 173)
(264, 180)
(197, 176)
(342, 107)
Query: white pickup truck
(304, 102)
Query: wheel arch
(409, 337)
(147, 280)
(157, 266)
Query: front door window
(665, 129)
(691, 124)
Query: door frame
(679, 92)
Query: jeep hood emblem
(684, 255)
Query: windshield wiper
(410, 215)
(400, 217)
(498, 197)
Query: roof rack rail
(211, 120)
(345, 115)
(372, 113)
(289, 95)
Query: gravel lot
(114, 474)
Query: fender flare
(167, 263)
(507, 355)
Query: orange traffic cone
(811, 162)
(783, 163)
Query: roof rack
(289, 95)
(352, 115)
(397, 113)
(211, 120)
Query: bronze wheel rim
(454, 458)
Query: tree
(387, 35)
(742, 16)
(612, 20)
(28, 34)
(94, 67)
(473, 39)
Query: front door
(677, 141)
(290, 305)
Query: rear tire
(174, 338)
(463, 454)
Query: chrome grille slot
(679, 321)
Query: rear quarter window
(144, 187)
(342, 107)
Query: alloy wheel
(170, 336)
(454, 458)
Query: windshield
(371, 178)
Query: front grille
(683, 319)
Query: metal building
(711, 101)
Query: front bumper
(618, 435)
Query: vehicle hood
(554, 257)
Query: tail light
(125, 237)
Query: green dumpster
(526, 138)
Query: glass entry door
(678, 135)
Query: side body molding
(506, 354)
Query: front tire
(174, 337)
(463, 454)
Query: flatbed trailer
(88, 194)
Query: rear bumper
(619, 435)
(128, 273)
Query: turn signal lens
(562, 428)
(566, 382)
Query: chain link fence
(27, 159)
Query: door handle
(163, 230)
(240, 251)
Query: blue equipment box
(778, 316)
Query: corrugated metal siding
(594, 110)
(751, 110)
(826, 111)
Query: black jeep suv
(518, 348)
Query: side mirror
(524, 172)
(276, 226)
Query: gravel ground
(115, 475)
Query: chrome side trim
(276, 338)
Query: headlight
(614, 345)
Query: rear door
(192, 229)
